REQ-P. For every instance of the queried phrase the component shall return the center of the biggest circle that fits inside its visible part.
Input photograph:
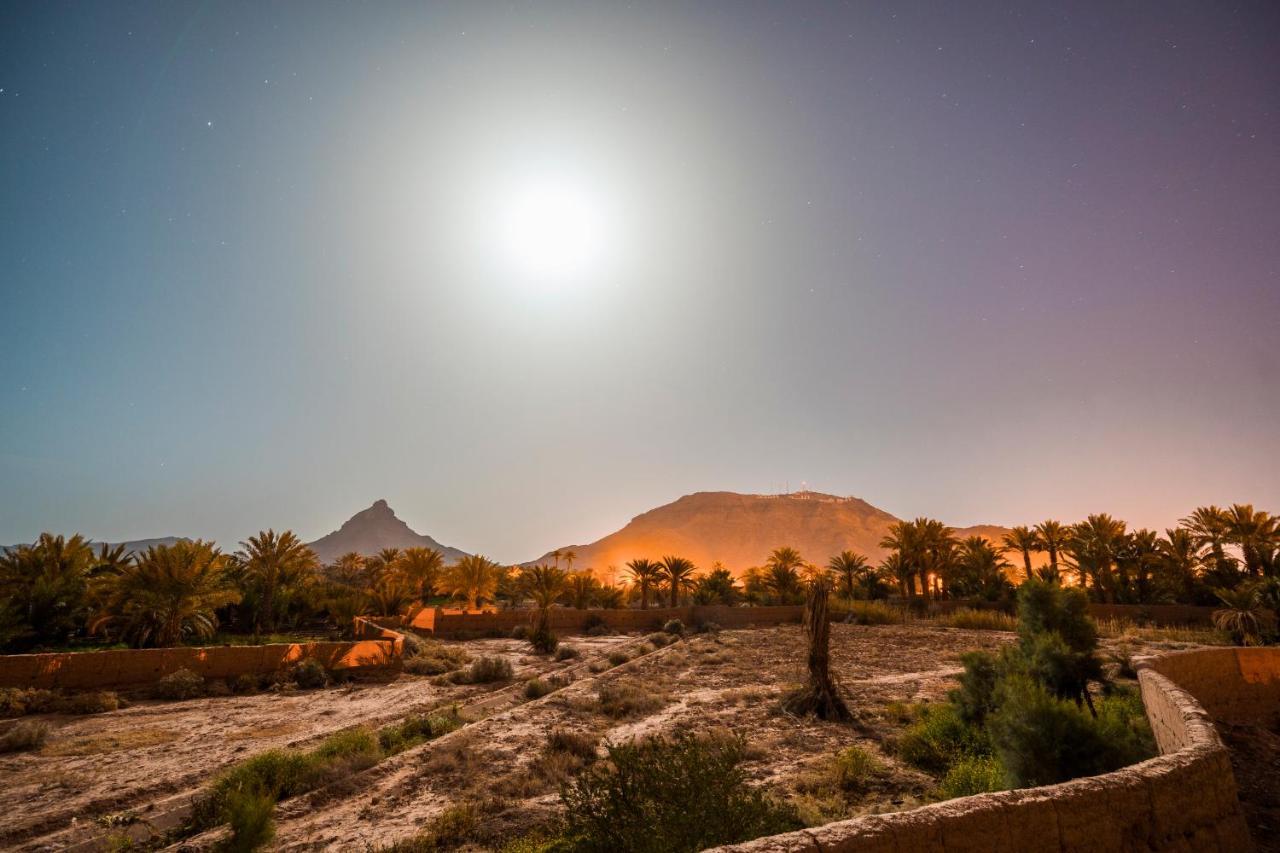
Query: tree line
(62, 589)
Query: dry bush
(581, 744)
(178, 685)
(620, 699)
(564, 653)
(436, 658)
(536, 688)
(658, 639)
(310, 674)
(618, 658)
(24, 736)
(93, 702)
(20, 701)
(485, 670)
(978, 620)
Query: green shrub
(707, 628)
(674, 627)
(972, 774)
(310, 674)
(975, 698)
(679, 794)
(252, 818)
(659, 639)
(543, 639)
(24, 736)
(618, 658)
(1042, 739)
(520, 632)
(536, 688)
(181, 684)
(416, 729)
(566, 653)
(853, 768)
(485, 670)
(595, 626)
(940, 738)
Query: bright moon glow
(554, 230)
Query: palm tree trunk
(644, 596)
(1026, 562)
(820, 696)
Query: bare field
(499, 773)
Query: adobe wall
(375, 648)
(567, 619)
(1155, 614)
(1183, 800)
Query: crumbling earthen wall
(374, 648)
(1183, 800)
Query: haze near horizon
(529, 271)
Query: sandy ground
(150, 759)
(731, 682)
(134, 759)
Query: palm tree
(582, 590)
(1093, 546)
(1180, 562)
(1209, 526)
(347, 570)
(47, 585)
(678, 573)
(1240, 616)
(569, 555)
(850, 567)
(1052, 536)
(1254, 532)
(644, 576)
(1023, 540)
(170, 593)
(275, 563)
(895, 566)
(980, 570)
(473, 578)
(557, 554)
(543, 584)
(389, 557)
(422, 567)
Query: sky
(528, 269)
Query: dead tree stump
(820, 696)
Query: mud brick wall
(567, 619)
(1184, 800)
(375, 648)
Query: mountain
(373, 529)
(135, 546)
(740, 530)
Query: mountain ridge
(373, 529)
(740, 530)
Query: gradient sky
(986, 262)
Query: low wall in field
(445, 623)
(374, 648)
(1141, 614)
(1183, 800)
